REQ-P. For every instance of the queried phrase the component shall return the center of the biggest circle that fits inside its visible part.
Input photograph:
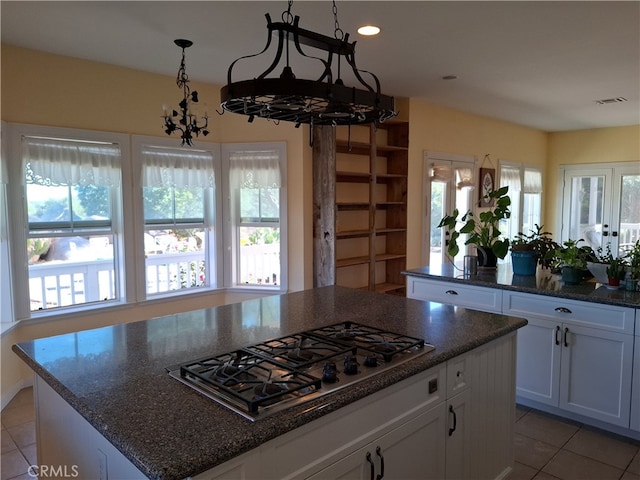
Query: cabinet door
(595, 374)
(635, 385)
(459, 455)
(538, 364)
(415, 449)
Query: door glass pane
(629, 212)
(437, 212)
(585, 217)
(463, 204)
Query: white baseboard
(7, 396)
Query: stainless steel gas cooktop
(271, 376)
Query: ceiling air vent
(606, 101)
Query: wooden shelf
(385, 231)
(388, 256)
(388, 287)
(380, 159)
(352, 206)
(353, 234)
(353, 177)
(348, 262)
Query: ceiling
(541, 64)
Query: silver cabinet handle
(451, 292)
(562, 310)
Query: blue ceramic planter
(524, 263)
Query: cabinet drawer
(598, 315)
(459, 374)
(478, 298)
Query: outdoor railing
(57, 284)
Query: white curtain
(165, 167)
(464, 178)
(56, 162)
(441, 173)
(510, 177)
(254, 169)
(532, 181)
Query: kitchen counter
(543, 283)
(116, 377)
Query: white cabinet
(458, 437)
(574, 356)
(453, 293)
(416, 449)
(635, 384)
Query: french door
(601, 205)
(448, 179)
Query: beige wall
(596, 146)
(441, 129)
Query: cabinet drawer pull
(451, 292)
(379, 453)
(557, 332)
(562, 310)
(371, 465)
(455, 420)
(566, 334)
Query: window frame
(232, 219)
(522, 169)
(122, 220)
(213, 218)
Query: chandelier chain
(338, 33)
(287, 17)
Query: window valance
(165, 167)
(255, 169)
(57, 162)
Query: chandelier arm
(266, 47)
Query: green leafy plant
(616, 268)
(633, 259)
(538, 242)
(569, 254)
(483, 229)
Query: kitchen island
(105, 394)
(579, 355)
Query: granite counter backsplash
(543, 283)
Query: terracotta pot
(614, 282)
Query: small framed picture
(487, 185)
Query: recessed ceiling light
(449, 77)
(369, 30)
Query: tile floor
(546, 447)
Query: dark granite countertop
(116, 376)
(543, 283)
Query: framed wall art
(487, 185)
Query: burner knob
(350, 365)
(330, 373)
(370, 361)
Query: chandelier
(185, 120)
(324, 101)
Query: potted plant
(633, 259)
(482, 229)
(527, 251)
(571, 260)
(598, 267)
(616, 271)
